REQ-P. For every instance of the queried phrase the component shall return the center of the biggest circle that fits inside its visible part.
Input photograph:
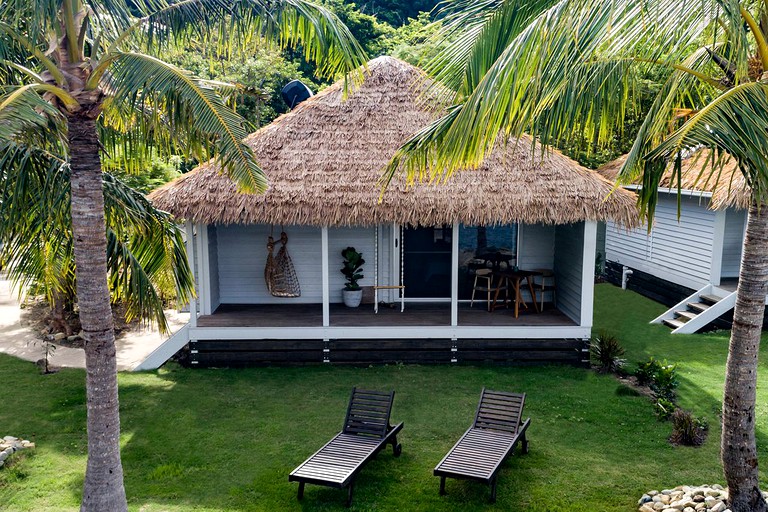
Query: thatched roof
(324, 159)
(724, 181)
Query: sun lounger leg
(493, 490)
(349, 494)
(525, 444)
(301, 490)
(442, 486)
(397, 448)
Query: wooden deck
(415, 314)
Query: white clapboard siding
(733, 241)
(677, 251)
(569, 256)
(362, 239)
(213, 261)
(536, 249)
(242, 255)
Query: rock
(646, 508)
(718, 487)
(59, 336)
(719, 507)
(10, 439)
(689, 509)
(4, 455)
(644, 499)
(714, 493)
(700, 506)
(654, 493)
(657, 505)
(699, 498)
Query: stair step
(673, 323)
(710, 299)
(685, 316)
(698, 306)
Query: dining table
(510, 279)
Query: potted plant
(353, 263)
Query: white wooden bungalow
(324, 160)
(690, 263)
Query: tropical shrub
(606, 351)
(687, 429)
(645, 371)
(664, 408)
(665, 381)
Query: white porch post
(718, 240)
(204, 270)
(588, 273)
(326, 277)
(455, 275)
(190, 232)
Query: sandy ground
(133, 345)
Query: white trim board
(394, 332)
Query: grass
(225, 440)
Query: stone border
(10, 445)
(685, 498)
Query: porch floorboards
(415, 314)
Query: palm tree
(145, 247)
(80, 77)
(567, 72)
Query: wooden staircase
(698, 310)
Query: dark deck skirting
(243, 353)
(261, 352)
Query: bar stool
(484, 283)
(546, 283)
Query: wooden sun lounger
(479, 453)
(366, 432)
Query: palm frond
(144, 244)
(316, 30)
(190, 107)
(733, 125)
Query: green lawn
(225, 440)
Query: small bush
(664, 409)
(645, 371)
(665, 381)
(660, 377)
(688, 430)
(606, 351)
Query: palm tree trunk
(738, 446)
(103, 489)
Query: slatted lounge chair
(479, 453)
(366, 432)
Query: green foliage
(665, 383)
(353, 262)
(158, 173)
(258, 75)
(660, 377)
(606, 351)
(416, 41)
(375, 37)
(688, 430)
(646, 371)
(664, 408)
(396, 12)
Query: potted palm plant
(353, 263)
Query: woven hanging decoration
(279, 273)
